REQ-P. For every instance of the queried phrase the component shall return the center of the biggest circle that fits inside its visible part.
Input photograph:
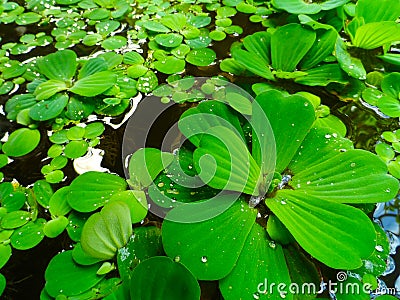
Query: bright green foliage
(21, 142)
(146, 276)
(107, 231)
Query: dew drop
(256, 296)
(353, 164)
(328, 136)
(272, 244)
(204, 259)
(177, 258)
(379, 248)
(306, 103)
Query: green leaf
(323, 47)
(291, 118)
(43, 192)
(325, 168)
(21, 142)
(253, 63)
(28, 236)
(389, 106)
(376, 264)
(14, 201)
(136, 201)
(144, 243)
(146, 284)
(93, 130)
(28, 18)
(2, 284)
(75, 149)
(5, 254)
(260, 260)
(12, 69)
(107, 231)
(91, 190)
(76, 222)
(391, 86)
(224, 162)
(170, 40)
(302, 7)
(345, 236)
(155, 26)
(147, 82)
(133, 58)
(196, 121)
(208, 261)
(94, 84)
(201, 57)
(50, 108)
(92, 66)
(373, 11)
(323, 75)
(170, 65)
(58, 205)
(286, 55)
(145, 164)
(60, 65)
(259, 44)
(55, 227)
(377, 34)
(64, 276)
(114, 42)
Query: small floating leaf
(21, 142)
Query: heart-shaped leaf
(107, 231)
(289, 44)
(208, 261)
(224, 162)
(60, 65)
(291, 118)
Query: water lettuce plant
(267, 188)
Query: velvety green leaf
(12, 69)
(224, 162)
(377, 34)
(136, 201)
(82, 258)
(353, 176)
(259, 44)
(253, 63)
(145, 164)
(323, 47)
(28, 18)
(345, 235)
(50, 108)
(170, 40)
(196, 121)
(291, 118)
(389, 106)
(260, 260)
(297, 42)
(93, 66)
(351, 65)
(391, 85)
(146, 277)
(155, 26)
(55, 227)
(201, 57)
(107, 231)
(21, 142)
(391, 58)
(14, 201)
(43, 192)
(376, 264)
(60, 65)
(147, 82)
(91, 190)
(302, 7)
(18, 103)
(170, 65)
(133, 58)
(93, 130)
(323, 75)
(48, 88)
(332, 122)
(75, 149)
(144, 243)
(208, 261)
(2, 284)
(374, 11)
(94, 84)
(64, 276)
(5, 254)
(28, 236)
(58, 204)
(263, 144)
(76, 222)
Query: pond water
(25, 270)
